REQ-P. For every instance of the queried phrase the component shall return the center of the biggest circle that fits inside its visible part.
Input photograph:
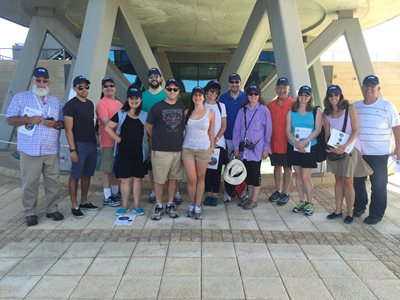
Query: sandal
(250, 205)
(243, 202)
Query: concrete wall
(388, 73)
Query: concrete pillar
(23, 72)
(318, 82)
(287, 41)
(95, 43)
(134, 41)
(163, 62)
(250, 45)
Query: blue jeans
(379, 180)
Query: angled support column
(318, 82)
(121, 83)
(250, 45)
(134, 41)
(22, 75)
(287, 41)
(95, 42)
(165, 67)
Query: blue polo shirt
(232, 108)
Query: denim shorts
(87, 159)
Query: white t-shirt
(376, 121)
(217, 122)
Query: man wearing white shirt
(378, 118)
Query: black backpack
(320, 147)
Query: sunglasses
(333, 94)
(38, 80)
(234, 82)
(81, 88)
(108, 86)
(153, 76)
(169, 89)
(254, 94)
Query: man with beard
(233, 99)
(80, 133)
(153, 95)
(39, 117)
(165, 125)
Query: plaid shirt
(45, 140)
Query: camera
(247, 145)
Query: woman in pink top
(352, 165)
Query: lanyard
(246, 127)
(41, 109)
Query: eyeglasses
(81, 88)
(213, 91)
(234, 82)
(333, 94)
(154, 76)
(254, 94)
(108, 86)
(38, 80)
(169, 89)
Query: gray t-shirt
(168, 122)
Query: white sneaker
(227, 198)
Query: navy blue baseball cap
(107, 79)
(282, 81)
(305, 89)
(371, 79)
(171, 81)
(40, 72)
(234, 76)
(198, 89)
(212, 84)
(133, 92)
(154, 71)
(79, 79)
(333, 89)
(253, 88)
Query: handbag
(335, 156)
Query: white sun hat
(235, 172)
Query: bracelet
(217, 138)
(72, 150)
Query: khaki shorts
(166, 165)
(200, 155)
(107, 160)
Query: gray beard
(39, 91)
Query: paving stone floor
(266, 253)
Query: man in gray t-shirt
(165, 125)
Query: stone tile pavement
(267, 253)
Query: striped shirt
(45, 140)
(376, 121)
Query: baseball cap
(253, 88)
(282, 81)
(212, 84)
(371, 79)
(234, 76)
(79, 79)
(133, 92)
(235, 172)
(107, 79)
(171, 81)
(305, 89)
(333, 89)
(154, 71)
(40, 72)
(198, 89)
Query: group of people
(154, 133)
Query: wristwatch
(72, 150)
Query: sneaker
(250, 205)
(158, 212)
(283, 200)
(227, 198)
(371, 220)
(198, 213)
(334, 215)
(170, 209)
(299, 207)
(348, 220)
(308, 209)
(358, 213)
(177, 198)
(275, 196)
(152, 198)
(207, 201)
(77, 213)
(214, 201)
(243, 202)
(117, 196)
(88, 206)
(121, 211)
(190, 211)
(111, 202)
(139, 211)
